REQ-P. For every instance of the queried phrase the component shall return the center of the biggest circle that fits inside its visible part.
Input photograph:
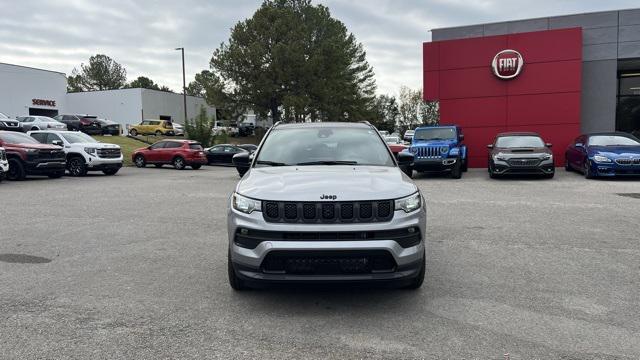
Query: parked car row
(52, 152)
(87, 124)
(441, 149)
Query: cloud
(142, 34)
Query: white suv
(83, 152)
(4, 164)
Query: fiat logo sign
(507, 64)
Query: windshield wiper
(328, 162)
(270, 163)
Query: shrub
(199, 129)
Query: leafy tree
(414, 111)
(102, 73)
(143, 82)
(385, 113)
(294, 61)
(165, 89)
(199, 129)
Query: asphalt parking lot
(134, 267)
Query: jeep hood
(309, 183)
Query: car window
(304, 145)
(435, 134)
(158, 145)
(52, 137)
(612, 140)
(144, 123)
(216, 149)
(173, 145)
(154, 123)
(76, 138)
(519, 141)
(40, 137)
(195, 146)
(17, 138)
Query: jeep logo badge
(328, 197)
(507, 64)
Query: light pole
(184, 86)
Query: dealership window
(628, 109)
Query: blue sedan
(604, 154)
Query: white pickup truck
(83, 152)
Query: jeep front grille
(328, 212)
(427, 151)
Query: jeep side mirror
(490, 146)
(548, 145)
(405, 162)
(461, 137)
(57, 142)
(242, 162)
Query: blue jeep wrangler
(439, 148)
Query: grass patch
(127, 145)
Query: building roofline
(137, 88)
(34, 68)
(527, 19)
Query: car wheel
(55, 175)
(16, 170)
(140, 161)
(587, 170)
(158, 133)
(77, 166)
(567, 166)
(416, 282)
(465, 165)
(178, 163)
(110, 171)
(234, 281)
(133, 132)
(456, 172)
(196, 167)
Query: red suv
(28, 157)
(179, 153)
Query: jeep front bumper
(380, 259)
(434, 164)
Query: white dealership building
(30, 91)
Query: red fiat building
(547, 75)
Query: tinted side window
(52, 137)
(159, 145)
(41, 137)
(154, 123)
(173, 145)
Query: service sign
(43, 102)
(507, 64)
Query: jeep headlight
(444, 149)
(245, 204)
(409, 203)
(90, 151)
(601, 159)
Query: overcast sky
(141, 35)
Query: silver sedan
(28, 123)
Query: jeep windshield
(435, 134)
(323, 145)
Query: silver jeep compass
(326, 202)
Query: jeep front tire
(456, 171)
